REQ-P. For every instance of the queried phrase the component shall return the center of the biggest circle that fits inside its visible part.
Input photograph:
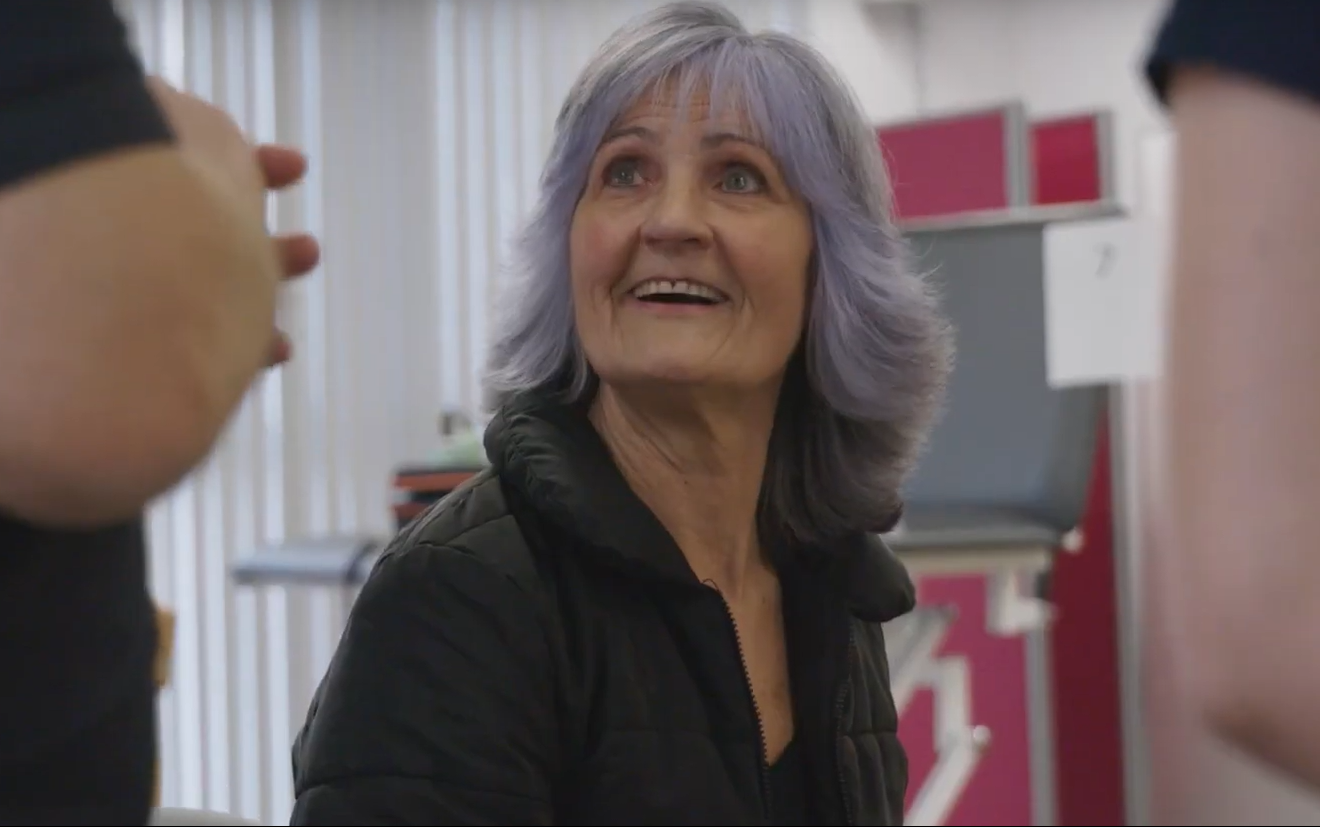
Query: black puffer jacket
(536, 650)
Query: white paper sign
(1096, 323)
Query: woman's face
(689, 253)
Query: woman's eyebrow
(642, 132)
(716, 139)
(709, 141)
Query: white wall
(1058, 56)
(874, 48)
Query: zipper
(841, 700)
(762, 771)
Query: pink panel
(1000, 791)
(956, 164)
(1070, 159)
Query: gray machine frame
(1005, 480)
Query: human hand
(299, 253)
(211, 137)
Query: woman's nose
(677, 215)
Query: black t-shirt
(77, 628)
(788, 789)
(1276, 41)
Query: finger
(299, 253)
(281, 165)
(280, 350)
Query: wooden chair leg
(161, 670)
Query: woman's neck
(699, 469)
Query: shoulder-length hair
(868, 378)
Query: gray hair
(867, 381)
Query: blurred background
(1031, 170)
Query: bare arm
(1244, 386)
(136, 306)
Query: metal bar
(958, 744)
(948, 561)
(1125, 441)
(1019, 171)
(1015, 217)
(1040, 729)
(913, 643)
(1010, 609)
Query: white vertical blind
(426, 123)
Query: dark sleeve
(70, 86)
(1276, 41)
(438, 704)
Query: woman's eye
(740, 178)
(625, 172)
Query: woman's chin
(675, 381)
(672, 374)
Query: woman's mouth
(677, 292)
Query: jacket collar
(552, 456)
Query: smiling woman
(776, 147)
(662, 603)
